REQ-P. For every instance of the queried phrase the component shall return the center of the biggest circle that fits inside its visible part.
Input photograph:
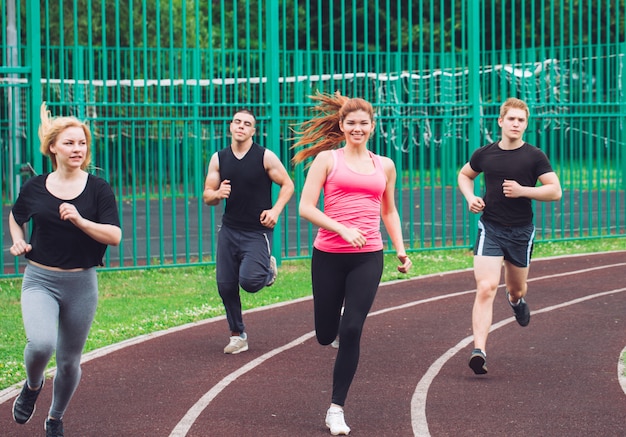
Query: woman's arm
(391, 218)
(102, 233)
(18, 235)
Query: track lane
(149, 387)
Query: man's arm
(278, 174)
(215, 189)
(466, 184)
(549, 190)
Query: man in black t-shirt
(242, 175)
(511, 170)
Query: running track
(557, 377)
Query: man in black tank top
(511, 169)
(242, 175)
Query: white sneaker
(274, 269)
(335, 343)
(237, 344)
(336, 423)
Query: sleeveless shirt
(251, 188)
(353, 199)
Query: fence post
(272, 59)
(33, 58)
(622, 120)
(474, 33)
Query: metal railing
(158, 82)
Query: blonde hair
(513, 103)
(323, 132)
(50, 129)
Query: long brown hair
(322, 132)
(50, 129)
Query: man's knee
(486, 288)
(252, 285)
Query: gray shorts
(514, 243)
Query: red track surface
(556, 377)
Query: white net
(413, 108)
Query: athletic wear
(24, 404)
(521, 310)
(341, 273)
(336, 422)
(237, 344)
(274, 268)
(54, 428)
(251, 188)
(243, 243)
(524, 165)
(514, 243)
(49, 233)
(353, 277)
(242, 259)
(478, 362)
(58, 308)
(353, 199)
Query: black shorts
(514, 243)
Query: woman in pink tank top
(347, 259)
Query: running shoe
(336, 422)
(274, 269)
(237, 344)
(521, 310)
(54, 428)
(478, 362)
(24, 405)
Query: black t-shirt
(251, 188)
(56, 242)
(524, 165)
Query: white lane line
(11, 392)
(621, 369)
(418, 401)
(185, 424)
(460, 293)
(182, 428)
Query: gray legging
(58, 309)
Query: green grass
(136, 302)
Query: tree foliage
(373, 25)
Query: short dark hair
(246, 111)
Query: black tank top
(251, 188)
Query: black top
(251, 188)
(524, 165)
(56, 242)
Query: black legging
(349, 280)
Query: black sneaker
(478, 362)
(521, 310)
(24, 405)
(54, 428)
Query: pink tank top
(353, 199)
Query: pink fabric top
(353, 199)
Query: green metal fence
(159, 81)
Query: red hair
(322, 132)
